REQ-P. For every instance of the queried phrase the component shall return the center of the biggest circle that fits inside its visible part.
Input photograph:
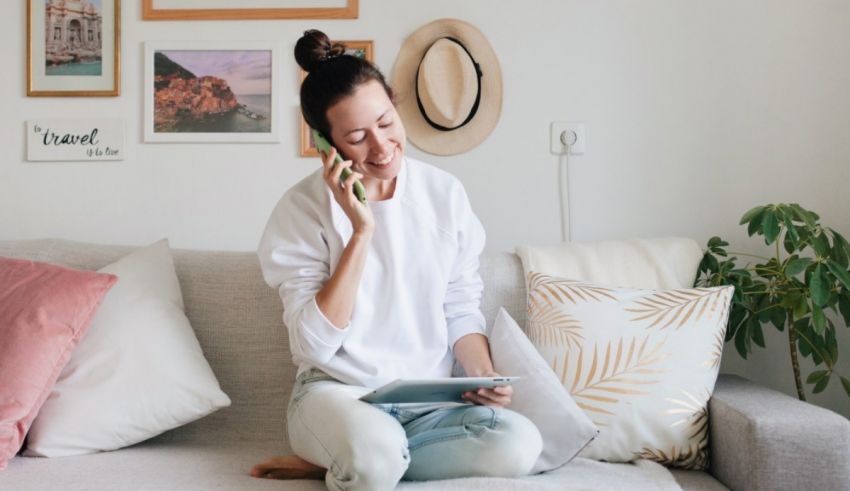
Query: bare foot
(288, 467)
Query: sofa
(760, 439)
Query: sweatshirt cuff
(318, 327)
(459, 327)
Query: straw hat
(448, 87)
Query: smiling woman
(378, 291)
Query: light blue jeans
(373, 446)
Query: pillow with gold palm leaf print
(641, 363)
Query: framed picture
(248, 9)
(211, 91)
(362, 49)
(73, 48)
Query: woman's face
(367, 130)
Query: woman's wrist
(363, 234)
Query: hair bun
(315, 47)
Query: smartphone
(324, 147)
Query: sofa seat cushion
(155, 465)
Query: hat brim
(419, 132)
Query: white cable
(563, 170)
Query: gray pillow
(539, 395)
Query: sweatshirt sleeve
(295, 259)
(463, 296)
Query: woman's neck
(379, 189)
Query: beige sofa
(760, 439)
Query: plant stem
(815, 349)
(748, 255)
(795, 364)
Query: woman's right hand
(359, 213)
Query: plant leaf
(818, 319)
(846, 384)
(821, 385)
(758, 334)
(801, 309)
(735, 317)
(797, 265)
(840, 272)
(804, 215)
(816, 376)
(819, 287)
(821, 245)
(741, 338)
(844, 306)
(770, 226)
(777, 317)
(841, 242)
(751, 214)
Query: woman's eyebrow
(364, 129)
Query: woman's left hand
(497, 396)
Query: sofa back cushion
(238, 320)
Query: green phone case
(324, 147)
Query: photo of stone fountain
(73, 37)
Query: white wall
(695, 112)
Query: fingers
(328, 161)
(335, 172)
(349, 183)
(499, 396)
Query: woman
(377, 292)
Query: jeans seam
(455, 436)
(467, 432)
(334, 468)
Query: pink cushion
(44, 311)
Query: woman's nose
(378, 144)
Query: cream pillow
(539, 395)
(641, 363)
(137, 372)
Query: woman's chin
(384, 172)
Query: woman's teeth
(385, 161)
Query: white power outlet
(573, 133)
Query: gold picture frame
(362, 49)
(178, 11)
(73, 53)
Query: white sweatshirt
(420, 290)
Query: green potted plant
(793, 290)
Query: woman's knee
(513, 445)
(373, 460)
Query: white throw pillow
(641, 363)
(539, 395)
(138, 371)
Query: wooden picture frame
(73, 53)
(359, 48)
(237, 82)
(220, 10)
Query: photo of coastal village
(73, 37)
(206, 91)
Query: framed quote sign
(75, 139)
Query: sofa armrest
(763, 439)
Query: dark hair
(332, 75)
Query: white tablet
(433, 390)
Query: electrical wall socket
(577, 147)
